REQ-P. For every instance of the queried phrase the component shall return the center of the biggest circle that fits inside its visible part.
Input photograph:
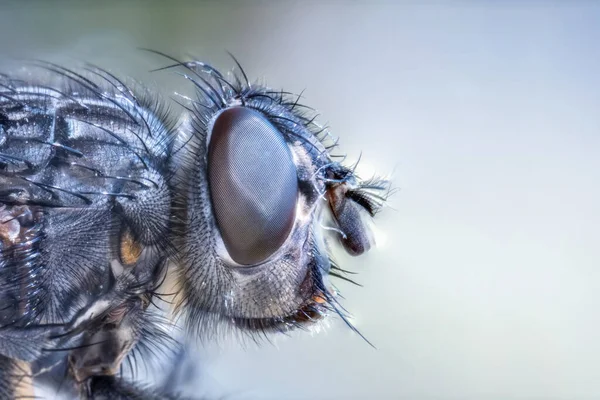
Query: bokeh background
(486, 115)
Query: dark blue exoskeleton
(85, 209)
(102, 199)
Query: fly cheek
(253, 185)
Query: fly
(108, 193)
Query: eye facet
(253, 184)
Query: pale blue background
(486, 285)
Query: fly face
(258, 178)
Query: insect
(108, 193)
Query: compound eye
(253, 184)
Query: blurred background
(486, 283)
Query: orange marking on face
(319, 299)
(131, 250)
